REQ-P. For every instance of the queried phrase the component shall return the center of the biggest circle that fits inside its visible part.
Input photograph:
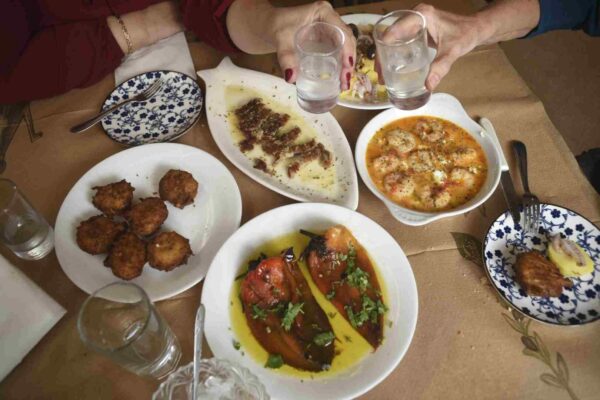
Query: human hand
(453, 35)
(287, 21)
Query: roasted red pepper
(343, 272)
(284, 316)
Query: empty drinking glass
(319, 46)
(22, 229)
(120, 322)
(401, 40)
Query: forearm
(507, 19)
(147, 26)
(251, 24)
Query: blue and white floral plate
(166, 116)
(504, 240)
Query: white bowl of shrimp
(429, 163)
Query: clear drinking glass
(401, 40)
(217, 380)
(120, 322)
(22, 229)
(319, 47)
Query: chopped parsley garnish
(381, 308)
(331, 315)
(370, 311)
(355, 276)
(236, 345)
(330, 295)
(278, 309)
(324, 339)
(274, 361)
(258, 313)
(290, 315)
(356, 319)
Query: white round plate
(167, 115)
(394, 270)
(207, 223)
(444, 106)
(577, 305)
(366, 19)
(363, 19)
(327, 128)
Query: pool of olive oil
(350, 346)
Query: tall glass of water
(401, 40)
(22, 229)
(120, 322)
(319, 48)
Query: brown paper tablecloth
(463, 346)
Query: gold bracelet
(126, 34)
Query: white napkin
(26, 314)
(171, 54)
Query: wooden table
(464, 345)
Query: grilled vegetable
(283, 315)
(343, 272)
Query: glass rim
(422, 31)
(312, 53)
(84, 337)
(15, 191)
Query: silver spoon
(198, 330)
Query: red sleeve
(60, 58)
(207, 19)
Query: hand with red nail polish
(288, 75)
(277, 28)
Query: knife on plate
(508, 188)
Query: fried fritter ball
(127, 256)
(147, 216)
(178, 187)
(114, 198)
(168, 250)
(96, 234)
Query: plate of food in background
(154, 215)
(551, 275)
(257, 123)
(318, 301)
(365, 92)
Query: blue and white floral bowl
(504, 240)
(164, 117)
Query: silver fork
(531, 204)
(145, 95)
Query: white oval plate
(393, 267)
(326, 126)
(213, 217)
(365, 19)
(444, 106)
